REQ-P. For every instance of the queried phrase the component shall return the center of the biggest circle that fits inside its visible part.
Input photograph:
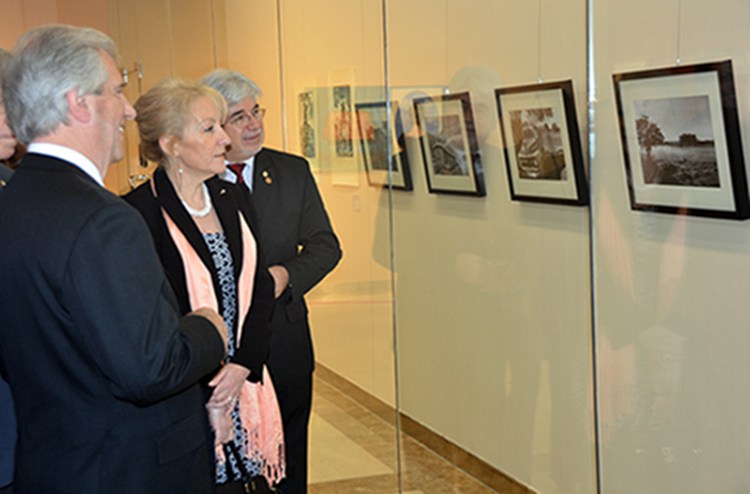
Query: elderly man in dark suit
(300, 247)
(7, 415)
(102, 369)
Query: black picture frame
(681, 140)
(449, 144)
(542, 143)
(386, 164)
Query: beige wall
(492, 296)
(671, 290)
(21, 15)
(493, 313)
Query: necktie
(237, 168)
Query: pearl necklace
(200, 213)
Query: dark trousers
(229, 488)
(295, 402)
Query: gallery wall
(493, 295)
(670, 289)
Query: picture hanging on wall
(383, 145)
(342, 104)
(542, 144)
(449, 144)
(681, 140)
(307, 137)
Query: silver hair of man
(232, 85)
(4, 55)
(46, 64)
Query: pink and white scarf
(259, 408)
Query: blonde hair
(165, 109)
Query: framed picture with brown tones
(383, 145)
(449, 144)
(542, 144)
(681, 140)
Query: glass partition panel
(493, 294)
(334, 114)
(671, 276)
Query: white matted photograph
(449, 144)
(681, 140)
(542, 143)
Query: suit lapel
(229, 219)
(264, 181)
(167, 198)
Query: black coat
(100, 363)
(296, 233)
(227, 199)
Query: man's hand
(280, 279)
(217, 321)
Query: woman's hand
(220, 419)
(227, 384)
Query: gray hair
(47, 63)
(232, 85)
(4, 55)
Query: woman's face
(7, 141)
(200, 151)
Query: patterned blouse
(222, 257)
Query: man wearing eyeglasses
(300, 246)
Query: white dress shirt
(70, 155)
(247, 173)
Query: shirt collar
(229, 176)
(70, 155)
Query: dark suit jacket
(228, 199)
(101, 366)
(7, 415)
(5, 174)
(295, 232)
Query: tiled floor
(354, 451)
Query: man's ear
(78, 106)
(169, 145)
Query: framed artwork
(542, 145)
(342, 104)
(307, 137)
(449, 144)
(681, 140)
(383, 145)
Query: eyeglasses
(242, 118)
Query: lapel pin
(266, 177)
(222, 192)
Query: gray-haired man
(300, 247)
(102, 369)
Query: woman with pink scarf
(203, 231)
